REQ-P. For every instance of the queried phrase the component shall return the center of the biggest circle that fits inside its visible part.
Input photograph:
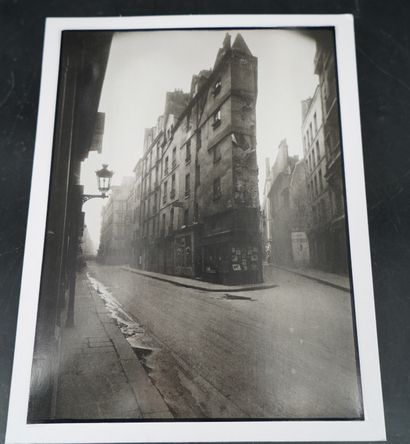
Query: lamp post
(104, 183)
(104, 176)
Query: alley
(284, 352)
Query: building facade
(323, 163)
(316, 182)
(115, 238)
(266, 215)
(78, 130)
(199, 212)
(287, 211)
(133, 209)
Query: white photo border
(372, 427)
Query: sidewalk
(100, 376)
(197, 284)
(331, 279)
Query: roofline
(310, 105)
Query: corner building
(208, 218)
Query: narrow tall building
(316, 182)
(200, 203)
(335, 251)
(114, 241)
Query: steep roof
(240, 45)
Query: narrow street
(284, 352)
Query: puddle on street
(131, 330)
(233, 297)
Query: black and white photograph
(196, 262)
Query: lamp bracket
(86, 197)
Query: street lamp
(104, 183)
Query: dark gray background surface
(383, 57)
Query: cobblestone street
(286, 351)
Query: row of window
(216, 121)
(313, 158)
(216, 152)
(310, 135)
(316, 185)
(153, 224)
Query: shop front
(231, 259)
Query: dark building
(78, 129)
(325, 68)
(199, 197)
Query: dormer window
(217, 87)
(216, 119)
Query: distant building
(86, 244)
(266, 214)
(114, 240)
(159, 176)
(199, 213)
(133, 211)
(287, 214)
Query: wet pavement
(283, 352)
(100, 375)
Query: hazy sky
(143, 66)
